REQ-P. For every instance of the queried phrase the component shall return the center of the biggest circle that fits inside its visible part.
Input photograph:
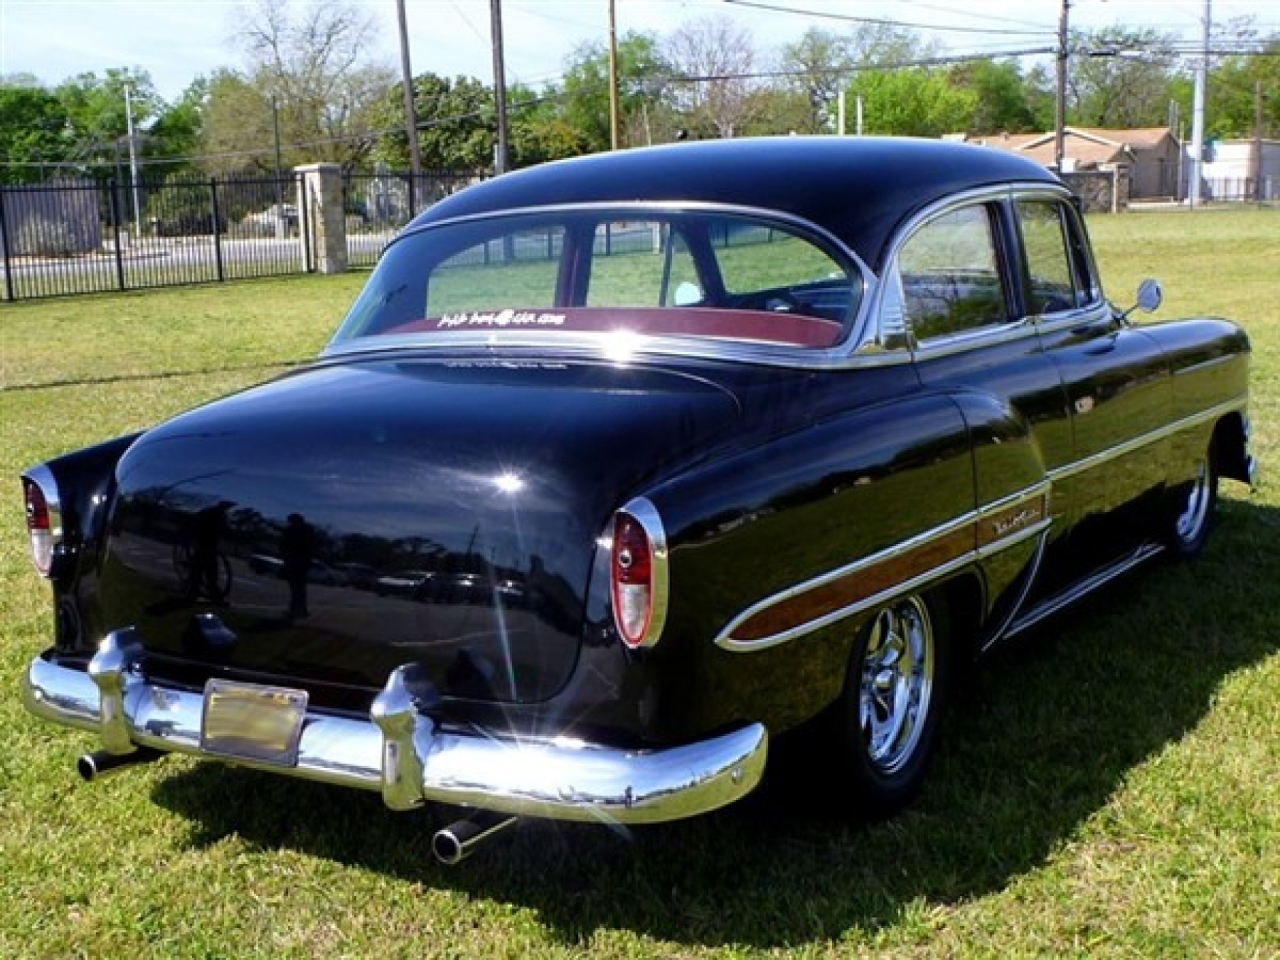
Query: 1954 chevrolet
(622, 465)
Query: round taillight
(638, 575)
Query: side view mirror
(1150, 296)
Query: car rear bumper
(400, 752)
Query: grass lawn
(1107, 787)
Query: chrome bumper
(401, 753)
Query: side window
(636, 263)
(950, 275)
(515, 270)
(1057, 270)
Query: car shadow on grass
(1044, 733)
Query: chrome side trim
(1154, 436)
(1059, 601)
(1037, 523)
(1206, 364)
(401, 753)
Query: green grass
(1110, 787)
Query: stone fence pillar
(320, 196)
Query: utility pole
(613, 76)
(1197, 111)
(1060, 101)
(500, 152)
(406, 81)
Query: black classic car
(621, 466)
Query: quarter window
(950, 275)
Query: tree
(714, 59)
(1123, 80)
(33, 125)
(539, 129)
(915, 102)
(238, 128)
(1231, 107)
(308, 62)
(98, 111)
(643, 78)
(456, 124)
(818, 66)
(1000, 93)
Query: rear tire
(889, 716)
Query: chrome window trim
(883, 302)
(604, 346)
(724, 639)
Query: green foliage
(913, 102)
(1121, 78)
(456, 124)
(1001, 101)
(1234, 90)
(238, 129)
(32, 126)
(819, 63)
(643, 76)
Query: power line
(880, 22)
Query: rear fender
(778, 553)
(85, 481)
(85, 488)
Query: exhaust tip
(460, 839)
(91, 766)
(447, 848)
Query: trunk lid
(344, 520)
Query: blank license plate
(247, 721)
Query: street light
(1197, 111)
(133, 161)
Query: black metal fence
(1241, 189)
(88, 236)
(378, 205)
(93, 236)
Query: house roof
(1085, 145)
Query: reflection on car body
(644, 459)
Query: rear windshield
(678, 273)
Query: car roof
(858, 188)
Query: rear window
(678, 273)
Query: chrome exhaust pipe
(100, 763)
(459, 840)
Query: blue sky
(178, 40)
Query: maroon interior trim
(788, 329)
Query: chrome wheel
(896, 687)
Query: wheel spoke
(896, 676)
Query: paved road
(180, 260)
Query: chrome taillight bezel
(46, 541)
(643, 513)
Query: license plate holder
(252, 722)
